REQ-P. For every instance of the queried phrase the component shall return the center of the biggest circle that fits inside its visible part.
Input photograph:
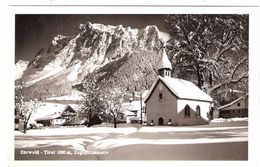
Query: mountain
(125, 56)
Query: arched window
(160, 96)
(187, 111)
(198, 111)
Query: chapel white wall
(193, 119)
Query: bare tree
(92, 103)
(114, 99)
(25, 109)
(210, 50)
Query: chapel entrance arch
(160, 121)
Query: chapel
(173, 101)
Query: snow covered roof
(164, 62)
(129, 113)
(144, 94)
(49, 117)
(75, 107)
(233, 102)
(47, 111)
(133, 106)
(181, 88)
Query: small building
(122, 116)
(54, 119)
(236, 108)
(132, 110)
(54, 114)
(173, 101)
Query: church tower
(164, 65)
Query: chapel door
(160, 121)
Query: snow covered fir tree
(105, 73)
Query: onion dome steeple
(164, 65)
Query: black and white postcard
(162, 84)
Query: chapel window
(160, 96)
(198, 111)
(187, 111)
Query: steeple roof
(164, 62)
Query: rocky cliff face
(116, 52)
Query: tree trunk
(199, 76)
(114, 122)
(24, 126)
(210, 79)
(89, 119)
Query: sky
(34, 32)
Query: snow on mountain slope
(69, 59)
(75, 96)
(43, 75)
(20, 66)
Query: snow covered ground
(229, 120)
(76, 131)
(104, 138)
(125, 130)
(112, 143)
